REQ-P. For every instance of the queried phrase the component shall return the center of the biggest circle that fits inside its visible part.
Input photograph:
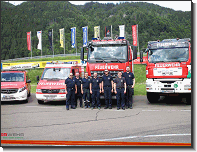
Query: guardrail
(44, 56)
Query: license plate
(168, 91)
(7, 97)
(50, 97)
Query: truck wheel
(188, 98)
(152, 97)
(40, 101)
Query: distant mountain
(154, 22)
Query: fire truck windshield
(106, 53)
(55, 73)
(168, 55)
(12, 77)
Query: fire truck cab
(51, 86)
(168, 69)
(112, 54)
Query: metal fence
(44, 56)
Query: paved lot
(159, 122)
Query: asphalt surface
(168, 121)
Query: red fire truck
(168, 69)
(114, 55)
(51, 86)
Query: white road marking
(130, 137)
(166, 110)
(43, 107)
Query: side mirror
(150, 52)
(38, 78)
(141, 56)
(28, 81)
(134, 52)
(82, 54)
(92, 48)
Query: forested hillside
(154, 22)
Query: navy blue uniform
(120, 91)
(78, 95)
(86, 91)
(107, 86)
(130, 91)
(70, 97)
(95, 91)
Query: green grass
(33, 87)
(140, 89)
(140, 73)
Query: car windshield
(169, 55)
(103, 53)
(55, 73)
(12, 77)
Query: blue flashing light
(121, 38)
(94, 39)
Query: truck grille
(50, 90)
(9, 91)
(114, 74)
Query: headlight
(62, 91)
(22, 89)
(38, 90)
(148, 85)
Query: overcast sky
(176, 5)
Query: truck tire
(152, 97)
(40, 101)
(188, 98)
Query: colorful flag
(134, 34)
(97, 32)
(73, 37)
(39, 35)
(50, 38)
(62, 37)
(29, 41)
(85, 36)
(108, 31)
(122, 30)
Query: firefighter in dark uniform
(78, 81)
(85, 90)
(107, 84)
(95, 90)
(120, 90)
(130, 81)
(71, 90)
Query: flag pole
(76, 40)
(64, 42)
(41, 43)
(111, 32)
(52, 43)
(138, 40)
(30, 46)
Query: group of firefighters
(122, 86)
